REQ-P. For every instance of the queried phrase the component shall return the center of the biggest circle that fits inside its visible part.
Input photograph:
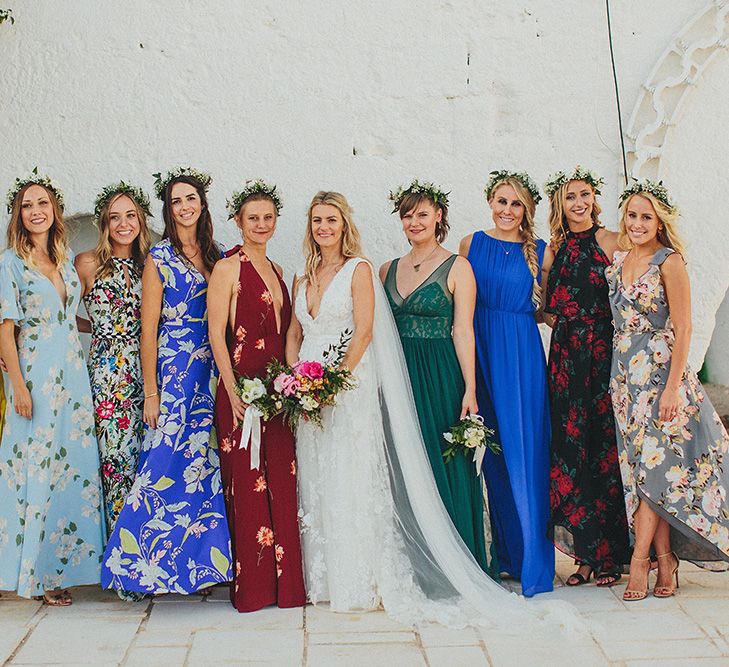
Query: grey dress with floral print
(51, 525)
(678, 466)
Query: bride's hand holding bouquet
(307, 387)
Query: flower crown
(35, 179)
(132, 191)
(496, 177)
(432, 192)
(655, 188)
(558, 179)
(161, 183)
(253, 188)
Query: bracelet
(146, 396)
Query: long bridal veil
(452, 588)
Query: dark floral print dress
(586, 492)
(113, 305)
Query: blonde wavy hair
(103, 251)
(19, 239)
(351, 240)
(528, 237)
(667, 233)
(558, 224)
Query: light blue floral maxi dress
(172, 534)
(51, 522)
(678, 467)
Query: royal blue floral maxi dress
(172, 534)
(51, 519)
(512, 372)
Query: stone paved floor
(691, 628)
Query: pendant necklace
(417, 266)
(502, 246)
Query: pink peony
(286, 384)
(310, 369)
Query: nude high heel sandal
(632, 595)
(668, 591)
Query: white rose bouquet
(470, 434)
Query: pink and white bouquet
(470, 434)
(302, 390)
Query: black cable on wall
(617, 90)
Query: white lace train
(374, 529)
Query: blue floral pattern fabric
(51, 526)
(172, 534)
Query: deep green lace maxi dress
(424, 320)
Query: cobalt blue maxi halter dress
(512, 372)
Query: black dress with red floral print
(588, 511)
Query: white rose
(308, 403)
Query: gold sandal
(633, 595)
(667, 591)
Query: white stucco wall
(357, 97)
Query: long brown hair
(558, 224)
(351, 241)
(103, 250)
(18, 237)
(208, 248)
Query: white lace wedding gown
(374, 530)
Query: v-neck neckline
(323, 294)
(638, 278)
(61, 273)
(422, 284)
(278, 317)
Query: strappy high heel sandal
(633, 595)
(668, 591)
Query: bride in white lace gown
(374, 530)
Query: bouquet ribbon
(478, 455)
(251, 432)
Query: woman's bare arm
(85, 264)
(678, 293)
(464, 303)
(220, 292)
(547, 318)
(9, 352)
(363, 300)
(152, 289)
(294, 334)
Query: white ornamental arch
(678, 133)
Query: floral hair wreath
(160, 183)
(33, 178)
(121, 188)
(496, 177)
(253, 187)
(431, 191)
(558, 179)
(655, 188)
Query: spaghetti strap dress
(424, 321)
